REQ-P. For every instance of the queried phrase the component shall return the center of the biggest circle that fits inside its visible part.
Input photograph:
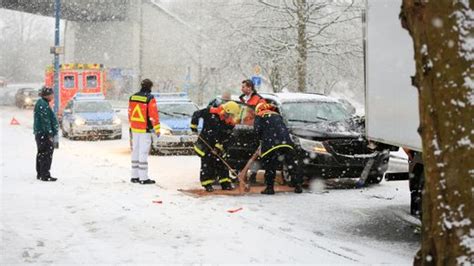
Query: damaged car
(329, 140)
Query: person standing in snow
(276, 147)
(45, 128)
(218, 123)
(144, 121)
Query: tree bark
(442, 36)
(302, 46)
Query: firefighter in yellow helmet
(217, 126)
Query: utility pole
(140, 46)
(57, 14)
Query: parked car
(175, 110)
(26, 97)
(90, 116)
(328, 139)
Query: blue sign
(257, 81)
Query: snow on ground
(92, 214)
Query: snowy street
(93, 214)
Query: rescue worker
(249, 95)
(225, 97)
(218, 123)
(277, 147)
(144, 121)
(45, 128)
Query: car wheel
(65, 133)
(118, 137)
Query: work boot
(227, 186)
(268, 190)
(147, 182)
(135, 180)
(209, 188)
(48, 179)
(298, 188)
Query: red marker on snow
(14, 122)
(234, 211)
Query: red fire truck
(74, 78)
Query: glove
(56, 141)
(219, 146)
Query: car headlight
(165, 132)
(28, 100)
(312, 146)
(79, 121)
(117, 121)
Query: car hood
(97, 116)
(350, 128)
(177, 124)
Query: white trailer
(391, 102)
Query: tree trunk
(442, 37)
(302, 46)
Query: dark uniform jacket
(45, 121)
(272, 132)
(214, 131)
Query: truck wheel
(374, 179)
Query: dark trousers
(213, 169)
(275, 159)
(44, 157)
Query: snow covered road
(94, 215)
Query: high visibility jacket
(254, 99)
(143, 113)
(272, 132)
(215, 131)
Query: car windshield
(173, 110)
(93, 107)
(30, 93)
(309, 112)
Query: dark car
(26, 97)
(328, 139)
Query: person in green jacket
(45, 128)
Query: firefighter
(144, 121)
(218, 123)
(45, 128)
(277, 148)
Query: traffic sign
(257, 81)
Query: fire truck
(74, 78)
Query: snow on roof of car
(89, 97)
(298, 97)
(171, 96)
